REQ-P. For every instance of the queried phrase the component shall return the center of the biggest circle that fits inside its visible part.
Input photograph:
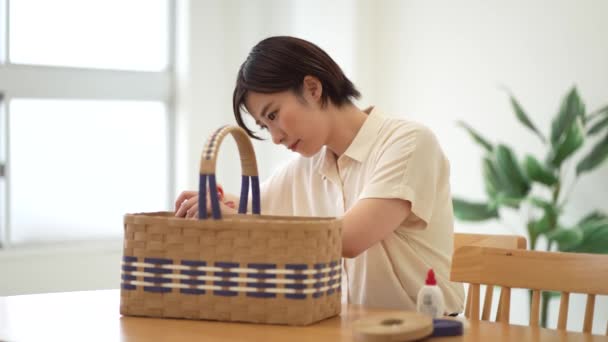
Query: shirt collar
(359, 148)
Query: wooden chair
(550, 271)
(499, 241)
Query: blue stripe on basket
(215, 203)
(261, 294)
(192, 282)
(333, 264)
(225, 274)
(192, 291)
(296, 276)
(195, 263)
(332, 273)
(158, 261)
(318, 285)
(262, 266)
(128, 286)
(193, 272)
(296, 266)
(129, 258)
(225, 283)
(330, 291)
(225, 293)
(128, 268)
(262, 285)
(295, 295)
(331, 282)
(317, 294)
(157, 270)
(255, 195)
(261, 275)
(202, 189)
(296, 286)
(319, 266)
(157, 280)
(226, 264)
(128, 277)
(157, 289)
(319, 275)
(244, 194)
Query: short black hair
(279, 64)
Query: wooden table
(94, 316)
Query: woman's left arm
(369, 221)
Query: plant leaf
(595, 236)
(523, 118)
(544, 204)
(537, 172)
(476, 136)
(567, 239)
(598, 154)
(490, 177)
(547, 222)
(571, 108)
(591, 116)
(510, 174)
(502, 199)
(572, 141)
(592, 217)
(470, 211)
(537, 227)
(598, 126)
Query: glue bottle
(430, 297)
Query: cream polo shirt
(388, 158)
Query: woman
(387, 178)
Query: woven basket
(249, 268)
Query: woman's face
(296, 122)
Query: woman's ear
(312, 89)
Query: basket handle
(249, 170)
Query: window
(85, 117)
(110, 34)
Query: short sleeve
(409, 166)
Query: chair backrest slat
(504, 306)
(535, 308)
(474, 301)
(589, 308)
(563, 311)
(487, 303)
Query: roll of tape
(447, 327)
(404, 326)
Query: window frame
(76, 83)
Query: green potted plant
(508, 180)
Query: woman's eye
(272, 116)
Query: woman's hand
(186, 204)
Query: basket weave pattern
(252, 268)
